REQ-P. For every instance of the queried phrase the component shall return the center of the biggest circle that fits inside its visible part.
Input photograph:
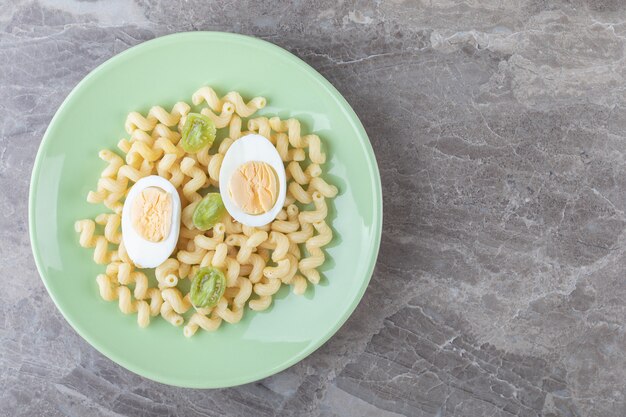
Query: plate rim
(377, 205)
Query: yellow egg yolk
(151, 214)
(254, 187)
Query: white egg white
(249, 148)
(142, 252)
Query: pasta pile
(255, 261)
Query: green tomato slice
(198, 132)
(207, 287)
(208, 212)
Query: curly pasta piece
(224, 118)
(183, 270)
(261, 125)
(297, 173)
(205, 242)
(293, 131)
(155, 301)
(232, 271)
(198, 177)
(245, 109)
(249, 230)
(191, 258)
(327, 190)
(320, 212)
(114, 162)
(132, 173)
(208, 259)
(168, 313)
(140, 151)
(202, 321)
(219, 231)
(234, 129)
(143, 314)
(282, 215)
(231, 226)
(278, 125)
(111, 224)
(174, 297)
(270, 286)
(246, 244)
(168, 147)
(135, 121)
(290, 226)
(162, 131)
(210, 96)
(219, 257)
(165, 164)
(244, 292)
(281, 245)
(126, 276)
(294, 250)
(302, 235)
(204, 158)
(125, 301)
(315, 149)
(123, 145)
(231, 316)
(210, 243)
(114, 186)
(297, 154)
(95, 197)
(169, 168)
(169, 119)
(313, 170)
(215, 164)
(261, 303)
(106, 287)
(87, 229)
(166, 273)
(280, 270)
(296, 191)
(258, 264)
(282, 146)
(101, 254)
(110, 292)
(283, 226)
(299, 284)
(122, 254)
(140, 135)
(225, 145)
(323, 238)
(293, 269)
(316, 257)
(113, 202)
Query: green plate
(164, 71)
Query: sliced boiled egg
(151, 221)
(253, 183)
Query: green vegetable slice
(207, 287)
(198, 132)
(208, 212)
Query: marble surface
(499, 132)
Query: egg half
(151, 221)
(247, 149)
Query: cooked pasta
(255, 261)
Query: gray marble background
(499, 128)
